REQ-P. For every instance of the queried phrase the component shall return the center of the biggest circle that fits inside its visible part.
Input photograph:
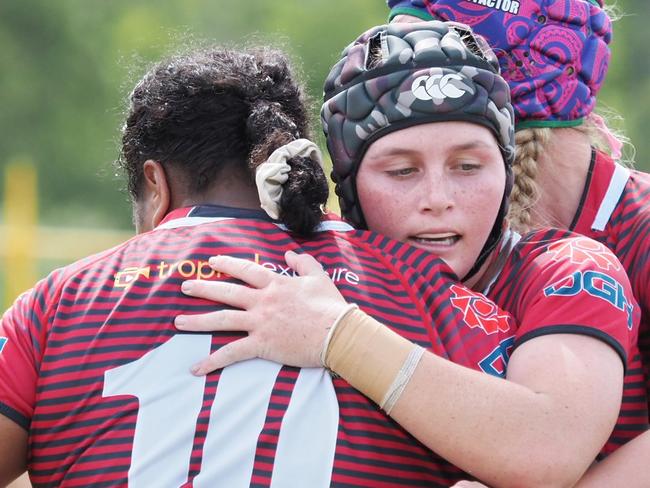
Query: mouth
(447, 239)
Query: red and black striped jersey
(552, 282)
(615, 210)
(93, 367)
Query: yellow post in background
(20, 213)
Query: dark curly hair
(217, 108)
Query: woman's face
(437, 186)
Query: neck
(562, 174)
(480, 280)
(492, 266)
(230, 190)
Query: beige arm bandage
(371, 357)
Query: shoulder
(636, 199)
(573, 284)
(634, 203)
(557, 263)
(552, 251)
(567, 264)
(640, 179)
(399, 257)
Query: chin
(454, 266)
(459, 269)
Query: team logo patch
(437, 87)
(3, 341)
(128, 276)
(478, 311)
(583, 250)
(596, 284)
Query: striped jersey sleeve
(21, 343)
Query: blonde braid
(525, 192)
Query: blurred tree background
(68, 65)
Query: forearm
(13, 450)
(628, 467)
(497, 430)
(524, 432)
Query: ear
(157, 192)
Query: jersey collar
(203, 214)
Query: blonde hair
(600, 140)
(529, 144)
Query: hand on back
(279, 312)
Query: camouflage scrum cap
(403, 74)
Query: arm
(539, 428)
(627, 466)
(542, 427)
(18, 375)
(13, 450)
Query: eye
(401, 171)
(467, 166)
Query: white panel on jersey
(327, 225)
(305, 452)
(334, 225)
(190, 222)
(170, 400)
(236, 420)
(613, 195)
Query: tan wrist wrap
(371, 357)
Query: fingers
(469, 484)
(303, 264)
(233, 352)
(237, 296)
(242, 269)
(223, 320)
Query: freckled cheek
(480, 205)
(385, 212)
(483, 196)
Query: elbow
(552, 472)
(543, 480)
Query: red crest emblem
(583, 250)
(478, 311)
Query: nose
(436, 194)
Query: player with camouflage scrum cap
(419, 126)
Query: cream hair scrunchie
(274, 172)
